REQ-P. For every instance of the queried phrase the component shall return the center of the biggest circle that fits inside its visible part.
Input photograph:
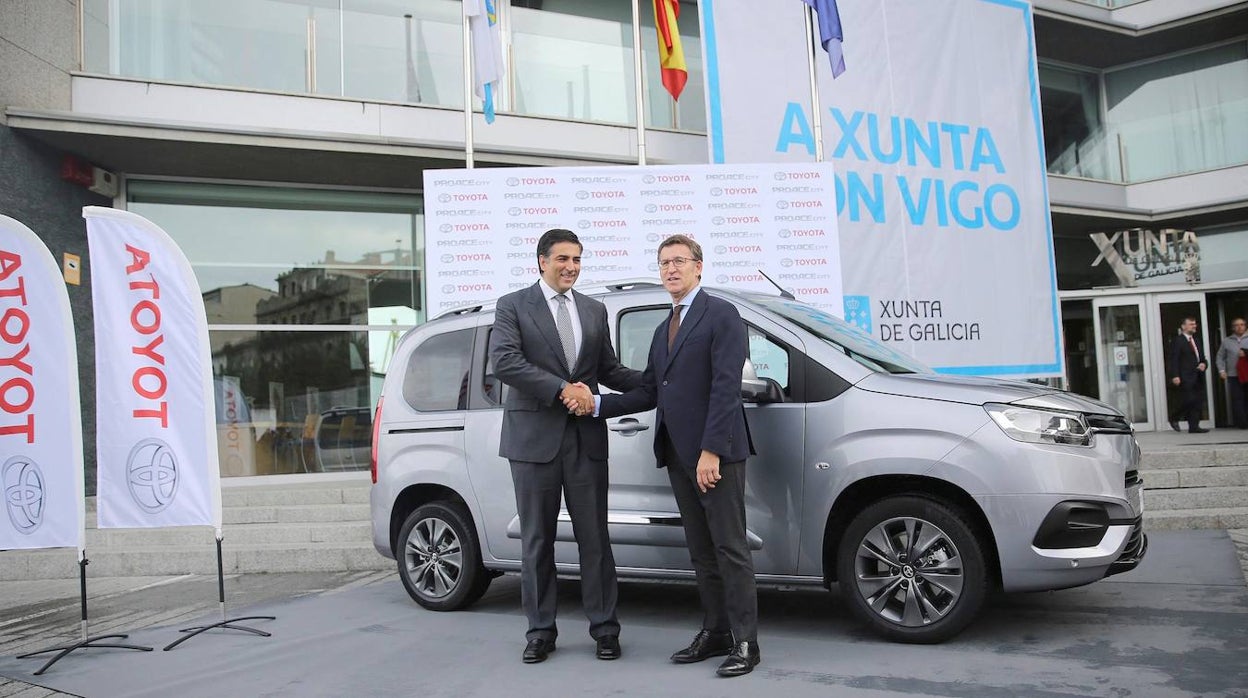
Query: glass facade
(1177, 115)
(568, 59)
(307, 293)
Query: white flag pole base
(226, 623)
(86, 642)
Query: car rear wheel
(439, 557)
(913, 569)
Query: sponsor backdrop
(41, 477)
(482, 226)
(157, 451)
(940, 188)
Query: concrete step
(1187, 519)
(118, 539)
(295, 514)
(283, 495)
(1196, 457)
(1166, 499)
(1210, 476)
(162, 561)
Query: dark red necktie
(673, 326)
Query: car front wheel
(913, 568)
(439, 557)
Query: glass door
(1123, 357)
(1167, 312)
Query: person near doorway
(1187, 364)
(1233, 347)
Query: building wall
(38, 48)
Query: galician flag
(487, 50)
(671, 55)
(830, 33)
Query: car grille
(1108, 424)
(1137, 545)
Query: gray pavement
(1177, 626)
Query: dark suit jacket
(1183, 360)
(696, 388)
(527, 356)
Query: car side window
(771, 359)
(437, 372)
(494, 390)
(636, 330)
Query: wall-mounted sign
(1142, 257)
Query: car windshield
(856, 344)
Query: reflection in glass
(404, 51)
(1123, 372)
(1075, 141)
(292, 402)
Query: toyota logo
(653, 266)
(718, 220)
(444, 198)
(152, 474)
(716, 191)
(720, 249)
(24, 495)
(582, 194)
(782, 204)
(448, 258)
(648, 179)
(513, 181)
(514, 211)
(651, 208)
(448, 289)
(586, 254)
(518, 271)
(786, 262)
(652, 237)
(785, 232)
(516, 241)
(781, 176)
(584, 225)
(721, 279)
(446, 227)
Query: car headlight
(1041, 426)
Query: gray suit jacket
(528, 357)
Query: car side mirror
(755, 389)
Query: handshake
(578, 399)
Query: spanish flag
(671, 55)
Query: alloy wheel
(909, 571)
(434, 558)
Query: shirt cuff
(597, 404)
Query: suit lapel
(540, 312)
(688, 322)
(589, 330)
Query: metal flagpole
(639, 84)
(226, 623)
(816, 111)
(468, 150)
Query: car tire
(439, 557)
(923, 595)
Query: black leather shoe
(538, 650)
(1175, 426)
(1198, 430)
(608, 647)
(706, 644)
(744, 658)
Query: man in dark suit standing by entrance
(1187, 370)
(548, 342)
(693, 377)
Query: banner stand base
(86, 642)
(226, 623)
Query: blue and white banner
(941, 190)
(157, 448)
(41, 476)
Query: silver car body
(931, 430)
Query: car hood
(977, 391)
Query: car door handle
(628, 426)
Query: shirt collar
(688, 299)
(549, 292)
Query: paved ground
(1177, 626)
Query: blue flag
(830, 33)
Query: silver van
(916, 493)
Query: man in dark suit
(548, 341)
(693, 377)
(1187, 366)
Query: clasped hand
(578, 399)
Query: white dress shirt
(553, 304)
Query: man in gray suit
(550, 342)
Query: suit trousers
(1192, 395)
(582, 483)
(714, 524)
